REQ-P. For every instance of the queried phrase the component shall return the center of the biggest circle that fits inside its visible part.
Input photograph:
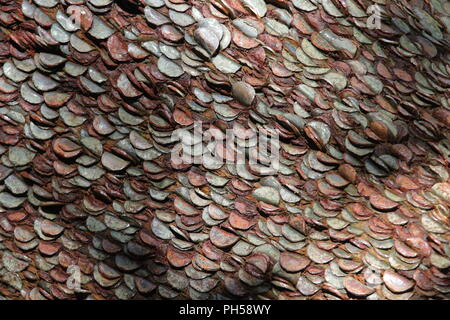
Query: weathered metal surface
(93, 205)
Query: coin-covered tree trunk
(251, 149)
